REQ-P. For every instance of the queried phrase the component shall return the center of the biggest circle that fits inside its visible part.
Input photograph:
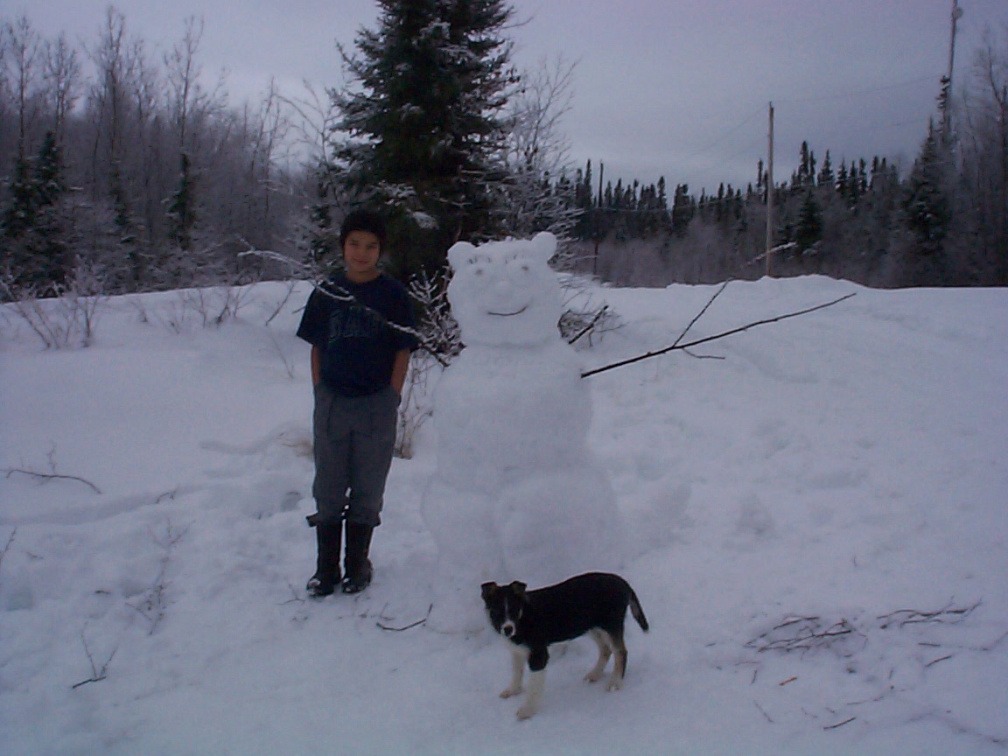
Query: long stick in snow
(704, 340)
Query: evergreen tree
(424, 114)
(810, 223)
(682, 210)
(19, 215)
(926, 205)
(841, 181)
(35, 238)
(853, 193)
(585, 199)
(181, 208)
(323, 238)
(806, 172)
(826, 177)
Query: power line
(859, 92)
(726, 134)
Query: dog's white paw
(593, 676)
(526, 712)
(615, 683)
(509, 692)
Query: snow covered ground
(817, 524)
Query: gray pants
(354, 439)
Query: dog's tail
(638, 612)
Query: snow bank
(815, 516)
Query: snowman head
(504, 293)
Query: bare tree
(537, 153)
(266, 130)
(985, 156)
(62, 79)
(107, 97)
(23, 45)
(183, 95)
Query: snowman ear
(459, 254)
(543, 245)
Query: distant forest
(861, 222)
(141, 175)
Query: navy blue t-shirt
(357, 344)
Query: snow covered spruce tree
(424, 118)
(927, 204)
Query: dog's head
(506, 605)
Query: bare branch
(409, 626)
(701, 313)
(97, 674)
(598, 316)
(949, 614)
(46, 477)
(7, 546)
(338, 293)
(839, 724)
(801, 634)
(732, 332)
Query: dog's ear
(519, 588)
(489, 590)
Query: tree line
(139, 173)
(142, 176)
(945, 222)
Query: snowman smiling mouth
(507, 314)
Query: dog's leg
(537, 680)
(604, 652)
(619, 667)
(538, 659)
(519, 657)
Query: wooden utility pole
(947, 104)
(601, 177)
(769, 195)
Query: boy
(359, 325)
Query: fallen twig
(409, 626)
(591, 325)
(97, 675)
(950, 614)
(153, 603)
(763, 712)
(46, 477)
(706, 339)
(295, 596)
(703, 356)
(700, 314)
(839, 724)
(7, 545)
(807, 634)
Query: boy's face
(361, 251)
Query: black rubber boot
(357, 565)
(328, 535)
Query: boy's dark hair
(363, 219)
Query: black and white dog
(594, 603)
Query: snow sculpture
(516, 494)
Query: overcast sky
(673, 88)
